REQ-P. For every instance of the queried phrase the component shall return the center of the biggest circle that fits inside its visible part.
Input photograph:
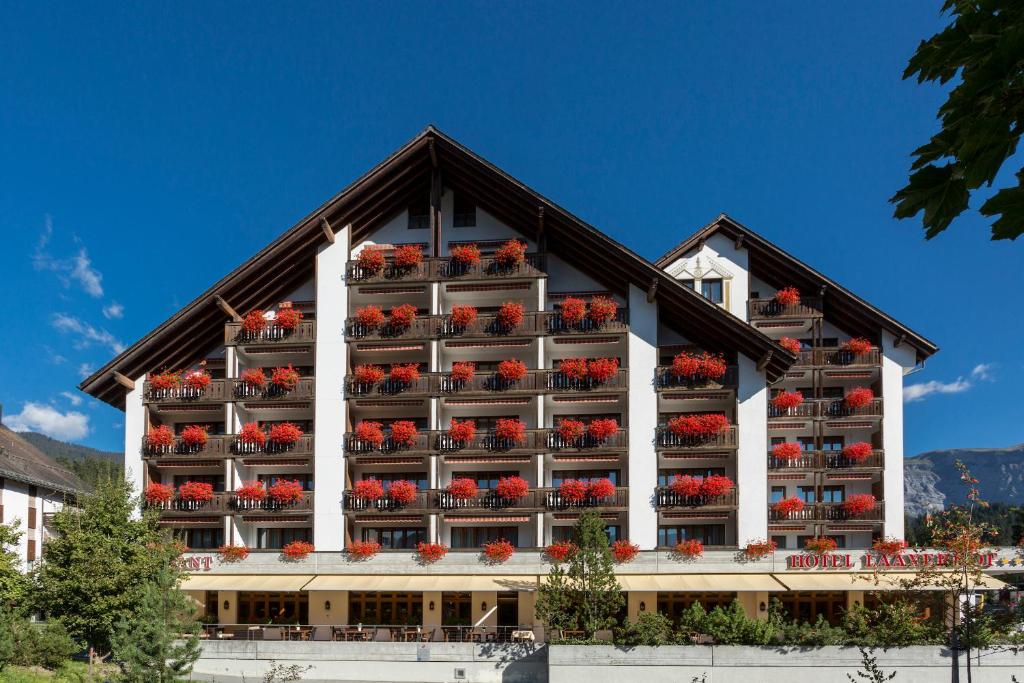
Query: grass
(70, 672)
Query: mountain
(90, 464)
(931, 481)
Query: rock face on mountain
(931, 481)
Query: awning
(699, 582)
(348, 582)
(865, 581)
(264, 582)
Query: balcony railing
(485, 442)
(665, 497)
(486, 384)
(554, 500)
(806, 410)
(303, 391)
(666, 440)
(809, 307)
(305, 333)
(486, 325)
(446, 269)
(831, 357)
(421, 272)
(425, 385)
(227, 445)
(439, 500)
(424, 502)
(617, 325)
(215, 392)
(826, 409)
(227, 503)
(825, 460)
(666, 380)
(827, 512)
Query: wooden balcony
(759, 309)
(425, 385)
(807, 410)
(486, 384)
(665, 498)
(811, 461)
(828, 512)
(445, 269)
(422, 272)
(665, 440)
(424, 503)
(303, 391)
(440, 501)
(666, 380)
(826, 409)
(226, 503)
(836, 357)
(217, 392)
(535, 323)
(485, 443)
(271, 335)
(227, 446)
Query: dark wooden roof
(377, 197)
(22, 462)
(779, 269)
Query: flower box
(571, 431)
(402, 316)
(511, 370)
(510, 429)
(787, 296)
(196, 492)
(789, 450)
(603, 428)
(197, 380)
(463, 488)
(511, 488)
(288, 318)
(560, 551)
(759, 549)
(371, 260)
(404, 433)
(254, 322)
(254, 378)
(162, 381)
(573, 368)
(791, 345)
(462, 432)
(370, 433)
(788, 506)
(465, 254)
(368, 489)
(573, 311)
(858, 397)
(820, 545)
(370, 317)
(159, 494)
(431, 552)
(463, 316)
(787, 400)
(623, 551)
(402, 492)
(368, 375)
(510, 254)
(285, 434)
(857, 346)
(602, 369)
(498, 551)
(233, 553)
(405, 373)
(858, 452)
(408, 256)
(572, 491)
(362, 550)
(602, 310)
(297, 550)
(888, 546)
(462, 371)
(251, 492)
(601, 488)
(686, 486)
(696, 366)
(194, 436)
(285, 379)
(510, 315)
(285, 492)
(716, 485)
(159, 437)
(252, 435)
(698, 426)
(859, 503)
(689, 549)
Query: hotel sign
(875, 561)
(197, 563)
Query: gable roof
(21, 461)
(780, 268)
(379, 195)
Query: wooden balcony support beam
(125, 382)
(226, 307)
(326, 227)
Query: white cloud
(918, 392)
(87, 335)
(85, 369)
(983, 371)
(35, 417)
(90, 278)
(113, 311)
(74, 399)
(77, 268)
(54, 357)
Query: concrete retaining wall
(238, 661)
(734, 664)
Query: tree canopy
(981, 119)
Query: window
(385, 478)
(456, 609)
(564, 533)
(558, 476)
(484, 480)
(214, 480)
(419, 214)
(202, 538)
(665, 477)
(807, 606)
(712, 290)
(476, 536)
(687, 283)
(385, 608)
(806, 443)
(464, 213)
(672, 605)
(831, 392)
(831, 443)
(403, 538)
(273, 608)
(778, 493)
(305, 479)
(708, 534)
(833, 494)
(808, 493)
(275, 539)
(780, 542)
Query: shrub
(786, 400)
(297, 550)
(601, 488)
(512, 488)
(288, 318)
(510, 429)
(602, 369)
(789, 450)
(572, 490)
(510, 254)
(402, 316)
(405, 373)
(402, 492)
(858, 397)
(859, 503)
(371, 260)
(510, 315)
(463, 488)
(160, 436)
(196, 491)
(368, 375)
(651, 629)
(197, 380)
(758, 549)
(33, 645)
(159, 493)
(404, 433)
(463, 316)
(573, 311)
(560, 551)
(857, 346)
(787, 506)
(820, 545)
(431, 552)
(787, 296)
(790, 344)
(362, 550)
(689, 549)
(511, 370)
(498, 551)
(251, 491)
(368, 489)
(285, 434)
(571, 430)
(254, 322)
(818, 634)
(465, 254)
(252, 435)
(623, 551)
(463, 432)
(602, 309)
(254, 377)
(462, 371)
(233, 553)
(408, 255)
(285, 379)
(858, 451)
(370, 433)
(896, 624)
(285, 492)
(731, 626)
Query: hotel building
(376, 398)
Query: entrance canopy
(264, 582)
(422, 583)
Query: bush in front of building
(651, 628)
(23, 643)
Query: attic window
(419, 215)
(464, 213)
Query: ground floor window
(275, 539)
(456, 609)
(389, 609)
(204, 539)
(807, 606)
(476, 536)
(708, 534)
(401, 538)
(672, 605)
(273, 608)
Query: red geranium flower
(368, 375)
(560, 551)
(787, 506)
(571, 430)
(755, 550)
(510, 315)
(820, 545)
(196, 492)
(573, 311)
(685, 485)
(285, 492)
(297, 550)
(463, 488)
(573, 368)
(510, 429)
(787, 296)
(858, 397)
(431, 552)
(859, 503)
(285, 433)
(403, 315)
(888, 546)
(254, 322)
(623, 551)
(601, 488)
(512, 488)
(406, 373)
(165, 380)
(857, 346)
(362, 550)
(371, 260)
(463, 432)
(159, 493)
(194, 435)
(689, 549)
(252, 434)
(233, 553)
(408, 255)
(602, 309)
(160, 436)
(700, 426)
(370, 433)
(463, 316)
(498, 551)
(370, 317)
(512, 253)
(786, 400)
(859, 451)
(285, 378)
(572, 490)
(602, 369)
(251, 491)
(787, 451)
(404, 433)
(511, 370)
(790, 344)
(288, 318)
(603, 428)
(716, 485)
(402, 492)
(466, 254)
(254, 377)
(462, 371)
(197, 380)
(368, 489)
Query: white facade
(28, 506)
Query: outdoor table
(523, 636)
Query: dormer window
(712, 290)
(419, 215)
(464, 213)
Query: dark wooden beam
(125, 382)
(226, 307)
(738, 242)
(328, 232)
(765, 359)
(433, 153)
(435, 207)
(652, 291)
(899, 340)
(542, 237)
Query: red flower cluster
(602, 309)
(285, 433)
(510, 429)
(700, 426)
(197, 380)
(465, 254)
(623, 551)
(573, 368)
(194, 435)
(370, 432)
(857, 346)
(368, 489)
(601, 488)
(403, 432)
(790, 344)
(707, 487)
(512, 253)
(288, 318)
(858, 397)
(463, 488)
(406, 373)
(756, 550)
(787, 296)
(786, 400)
(820, 545)
(159, 493)
(716, 485)
(602, 369)
(689, 549)
(370, 316)
(789, 450)
(603, 428)
(252, 434)
(560, 551)
(160, 436)
(402, 315)
(254, 322)
(196, 492)
(297, 550)
(571, 430)
(285, 378)
(368, 375)
(408, 255)
(285, 492)
(511, 370)
(859, 503)
(572, 490)
(431, 552)
(371, 259)
(573, 311)
(402, 492)
(463, 316)
(704, 364)
(165, 380)
(498, 551)
(512, 488)
(888, 546)
(462, 371)
(858, 451)
(233, 553)
(252, 491)
(510, 315)
(254, 377)
(787, 506)
(463, 432)
(362, 550)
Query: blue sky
(148, 150)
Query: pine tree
(160, 644)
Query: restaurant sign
(193, 563)
(876, 561)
